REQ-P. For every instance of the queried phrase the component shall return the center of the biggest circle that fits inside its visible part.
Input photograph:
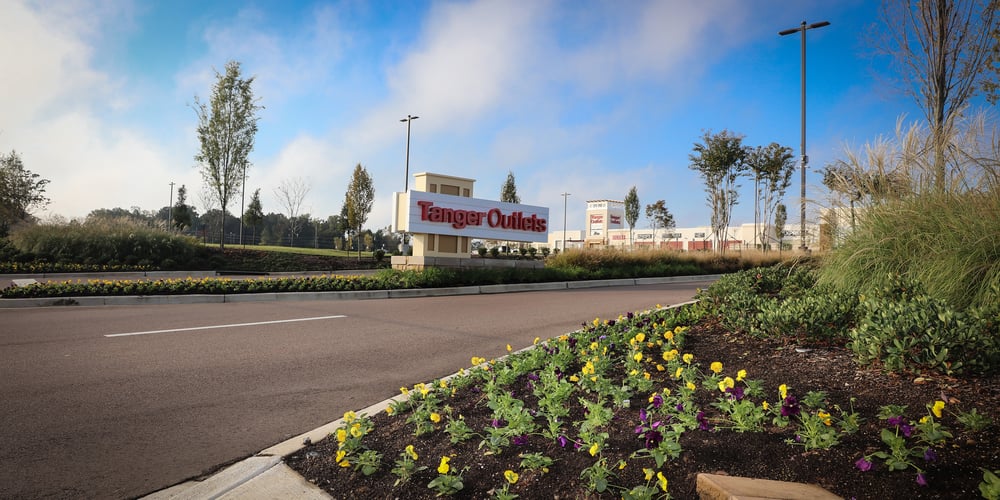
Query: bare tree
(291, 193)
(941, 51)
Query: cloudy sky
(578, 96)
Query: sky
(578, 96)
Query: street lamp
(170, 207)
(805, 159)
(564, 195)
(408, 119)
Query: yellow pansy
(341, 435)
(510, 476)
(509, 348)
(688, 358)
(350, 417)
(783, 391)
(936, 409)
(622, 464)
(594, 448)
(726, 383)
(640, 337)
(691, 386)
(356, 430)
(435, 417)
(443, 467)
(649, 473)
(537, 340)
(411, 452)
(404, 390)
(824, 416)
(765, 406)
(661, 480)
(660, 367)
(669, 335)
(389, 411)
(597, 321)
(574, 378)
(670, 355)
(740, 375)
(637, 357)
(716, 367)
(680, 370)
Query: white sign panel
(434, 213)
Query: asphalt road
(91, 413)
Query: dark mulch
(956, 474)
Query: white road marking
(224, 326)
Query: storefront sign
(434, 213)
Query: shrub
(907, 330)
(481, 251)
(494, 252)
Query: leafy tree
(227, 126)
(658, 214)
(182, 213)
(780, 217)
(291, 193)
(254, 214)
(21, 191)
(508, 192)
(941, 50)
(720, 159)
(631, 211)
(772, 167)
(360, 195)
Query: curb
(353, 295)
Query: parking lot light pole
(564, 195)
(408, 120)
(805, 159)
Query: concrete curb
(352, 295)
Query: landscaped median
(260, 294)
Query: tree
(21, 191)
(991, 86)
(720, 159)
(360, 195)
(772, 167)
(291, 193)
(780, 217)
(254, 214)
(631, 211)
(941, 50)
(227, 126)
(182, 213)
(508, 192)
(658, 214)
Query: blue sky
(585, 97)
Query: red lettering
(459, 219)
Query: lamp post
(170, 207)
(406, 182)
(408, 119)
(565, 196)
(805, 159)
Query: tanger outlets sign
(475, 218)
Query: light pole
(406, 182)
(565, 196)
(805, 159)
(170, 207)
(408, 119)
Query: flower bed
(635, 407)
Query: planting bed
(955, 471)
